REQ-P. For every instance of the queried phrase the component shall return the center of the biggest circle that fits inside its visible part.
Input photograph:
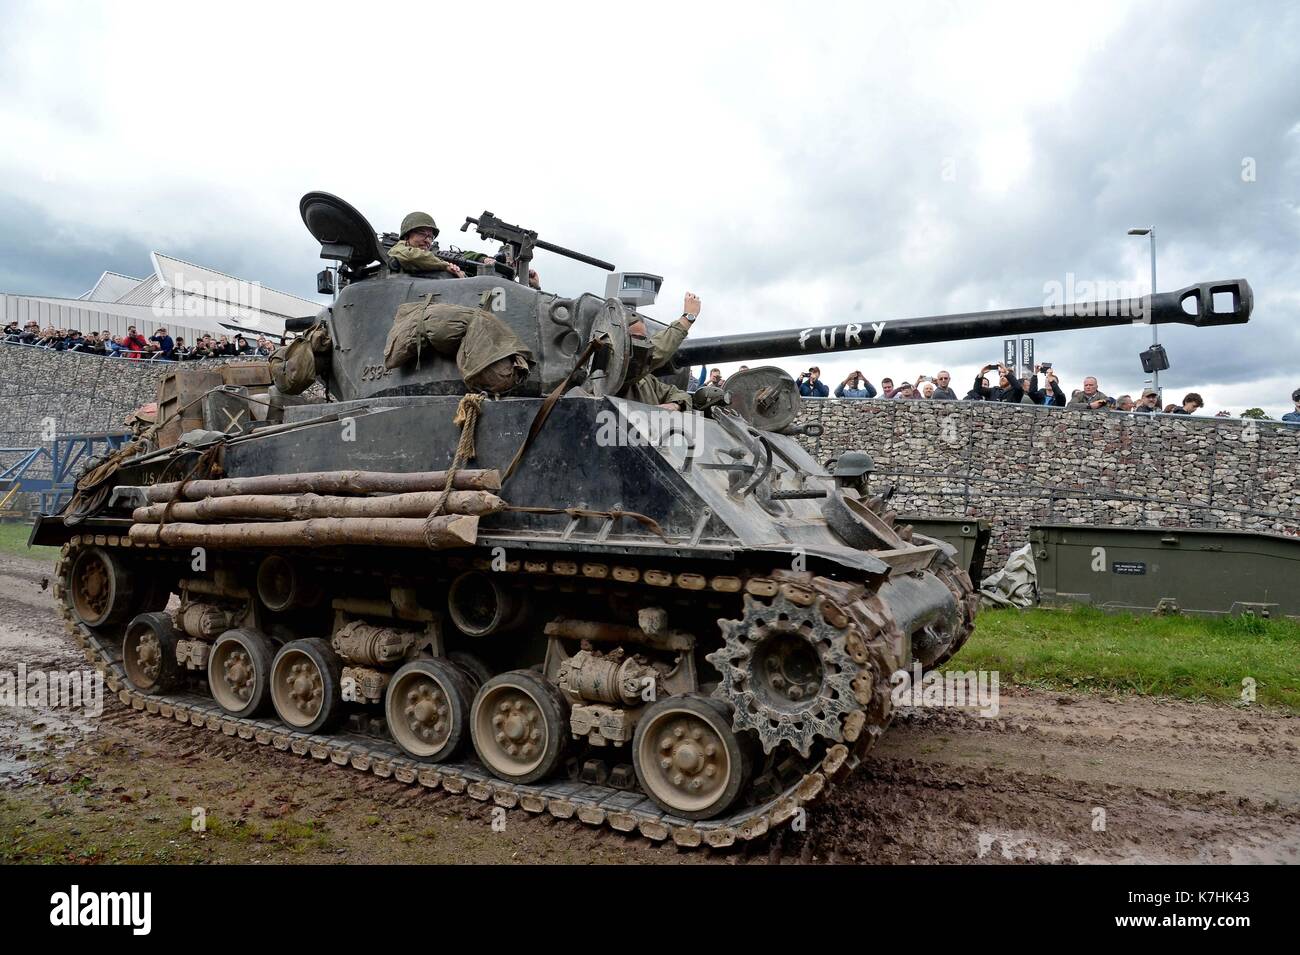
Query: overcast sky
(793, 164)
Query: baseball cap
(1149, 392)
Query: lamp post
(1151, 231)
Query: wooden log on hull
(271, 507)
(445, 531)
(329, 482)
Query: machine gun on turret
(522, 242)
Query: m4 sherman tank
(662, 618)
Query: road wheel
(149, 654)
(687, 758)
(305, 685)
(239, 672)
(427, 708)
(100, 587)
(520, 726)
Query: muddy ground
(1178, 782)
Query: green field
(1186, 657)
(13, 540)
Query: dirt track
(1178, 782)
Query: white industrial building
(186, 299)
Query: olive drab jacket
(411, 259)
(650, 390)
(665, 343)
(655, 391)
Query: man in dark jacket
(1051, 395)
(942, 388)
(1008, 389)
(1191, 404)
(1149, 403)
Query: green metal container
(1168, 569)
(970, 535)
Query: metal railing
(129, 355)
(28, 475)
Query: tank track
(879, 653)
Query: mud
(1055, 778)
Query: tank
(674, 622)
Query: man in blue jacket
(855, 386)
(811, 385)
(1293, 417)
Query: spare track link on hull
(621, 810)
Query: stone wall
(80, 393)
(71, 393)
(1019, 464)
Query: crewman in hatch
(412, 253)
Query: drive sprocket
(787, 672)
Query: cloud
(792, 169)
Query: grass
(13, 540)
(1189, 658)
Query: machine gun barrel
(569, 253)
(525, 240)
(1162, 308)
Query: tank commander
(412, 252)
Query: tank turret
(556, 329)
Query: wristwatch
(689, 317)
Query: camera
(1045, 365)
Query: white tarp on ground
(1015, 585)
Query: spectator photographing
(134, 343)
(855, 386)
(1008, 389)
(1089, 397)
(1052, 396)
(164, 343)
(811, 385)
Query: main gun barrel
(1203, 305)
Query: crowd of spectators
(159, 346)
(1042, 387)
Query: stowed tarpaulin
(489, 355)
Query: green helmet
(418, 220)
(853, 464)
